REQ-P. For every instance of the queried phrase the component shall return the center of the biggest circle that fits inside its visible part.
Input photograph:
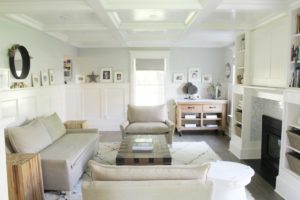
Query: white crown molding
(26, 20)
(74, 27)
(60, 36)
(252, 5)
(269, 19)
(224, 26)
(152, 26)
(28, 7)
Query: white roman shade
(150, 64)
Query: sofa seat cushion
(54, 126)
(102, 172)
(147, 127)
(68, 148)
(30, 138)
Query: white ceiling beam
(99, 10)
(26, 20)
(224, 26)
(152, 5)
(152, 26)
(252, 5)
(74, 27)
(29, 7)
(199, 17)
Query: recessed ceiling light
(149, 15)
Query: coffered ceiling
(143, 23)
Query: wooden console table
(202, 114)
(24, 175)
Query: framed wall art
(194, 75)
(51, 76)
(106, 75)
(207, 78)
(36, 81)
(4, 78)
(80, 78)
(44, 78)
(178, 77)
(118, 77)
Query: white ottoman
(229, 180)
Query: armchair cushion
(147, 127)
(147, 113)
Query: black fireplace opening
(270, 149)
(268, 166)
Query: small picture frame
(44, 78)
(194, 75)
(51, 76)
(4, 79)
(207, 78)
(106, 75)
(79, 79)
(35, 78)
(178, 77)
(118, 77)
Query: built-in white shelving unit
(288, 180)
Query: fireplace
(270, 151)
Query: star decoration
(93, 77)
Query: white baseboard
(287, 186)
(244, 153)
(234, 148)
(251, 153)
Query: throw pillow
(54, 126)
(147, 113)
(102, 172)
(30, 138)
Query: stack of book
(211, 125)
(190, 116)
(190, 125)
(142, 145)
(211, 116)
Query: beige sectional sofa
(148, 120)
(64, 152)
(173, 182)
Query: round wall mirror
(19, 61)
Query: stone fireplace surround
(258, 101)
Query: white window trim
(146, 55)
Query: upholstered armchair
(148, 120)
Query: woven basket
(294, 139)
(238, 130)
(238, 116)
(294, 161)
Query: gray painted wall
(47, 52)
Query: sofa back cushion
(102, 172)
(54, 126)
(147, 113)
(30, 138)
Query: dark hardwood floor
(259, 188)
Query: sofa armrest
(89, 130)
(76, 124)
(123, 127)
(171, 126)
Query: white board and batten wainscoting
(103, 105)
